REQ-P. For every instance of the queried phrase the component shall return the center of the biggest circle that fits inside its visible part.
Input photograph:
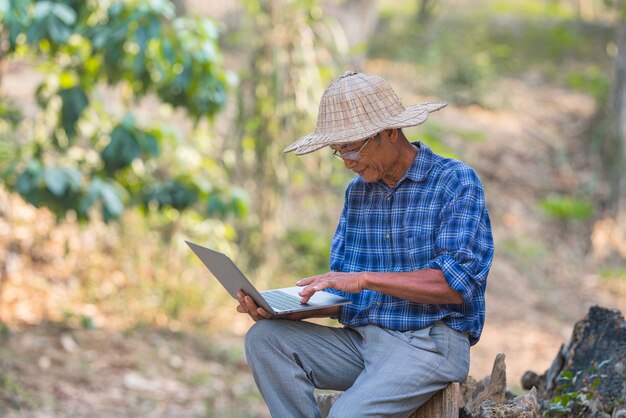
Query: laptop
(277, 301)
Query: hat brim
(412, 116)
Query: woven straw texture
(357, 106)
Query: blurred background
(129, 126)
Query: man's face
(363, 158)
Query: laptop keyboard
(282, 301)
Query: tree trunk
(180, 6)
(616, 163)
(279, 86)
(425, 10)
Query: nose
(349, 164)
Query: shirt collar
(419, 169)
(421, 165)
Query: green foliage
(309, 252)
(618, 273)
(524, 248)
(13, 396)
(5, 331)
(89, 159)
(533, 9)
(463, 54)
(559, 49)
(78, 320)
(575, 393)
(10, 115)
(592, 81)
(567, 208)
(431, 134)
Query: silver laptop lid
(228, 274)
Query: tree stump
(443, 404)
(596, 351)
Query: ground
(65, 372)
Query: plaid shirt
(435, 217)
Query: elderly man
(412, 251)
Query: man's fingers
(323, 285)
(308, 292)
(265, 314)
(305, 282)
(247, 305)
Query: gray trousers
(384, 373)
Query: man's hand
(348, 282)
(247, 305)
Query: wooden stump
(443, 404)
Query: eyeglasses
(352, 155)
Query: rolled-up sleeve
(464, 246)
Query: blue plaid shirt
(435, 217)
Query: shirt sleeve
(464, 245)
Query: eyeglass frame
(352, 155)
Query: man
(412, 251)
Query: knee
(261, 336)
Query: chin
(369, 176)
(369, 179)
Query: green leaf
(74, 178)
(24, 183)
(87, 322)
(149, 144)
(595, 384)
(5, 7)
(57, 30)
(240, 203)
(121, 150)
(111, 200)
(74, 103)
(65, 13)
(175, 194)
(61, 179)
(100, 38)
(28, 182)
(216, 206)
(55, 180)
(107, 194)
(43, 9)
(35, 32)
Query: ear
(390, 135)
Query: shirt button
(388, 198)
(387, 236)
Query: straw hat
(357, 106)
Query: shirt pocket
(419, 248)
